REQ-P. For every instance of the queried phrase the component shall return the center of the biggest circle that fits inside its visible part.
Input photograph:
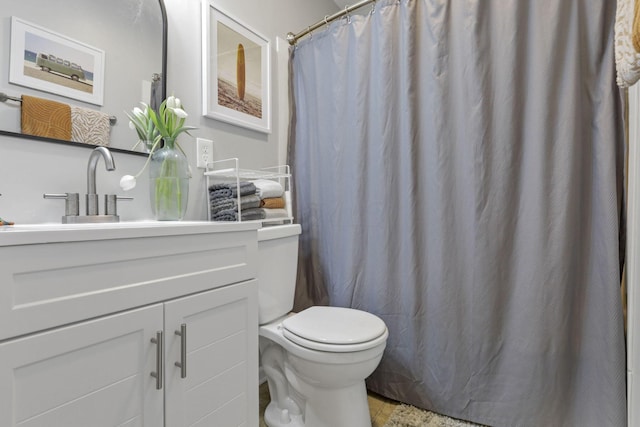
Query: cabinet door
(221, 384)
(95, 373)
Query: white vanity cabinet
(94, 373)
(220, 385)
(88, 317)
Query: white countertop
(27, 234)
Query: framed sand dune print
(236, 66)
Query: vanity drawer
(50, 284)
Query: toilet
(316, 360)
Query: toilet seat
(335, 329)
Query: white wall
(30, 168)
(271, 18)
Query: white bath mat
(410, 416)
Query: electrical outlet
(204, 152)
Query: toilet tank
(277, 270)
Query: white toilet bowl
(315, 361)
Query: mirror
(133, 36)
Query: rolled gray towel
(224, 203)
(232, 215)
(249, 202)
(251, 214)
(231, 189)
(225, 215)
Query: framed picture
(44, 60)
(236, 66)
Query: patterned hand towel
(231, 189)
(42, 117)
(89, 126)
(265, 188)
(272, 203)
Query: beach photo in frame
(51, 62)
(236, 67)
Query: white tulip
(127, 182)
(171, 102)
(138, 112)
(180, 113)
(131, 125)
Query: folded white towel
(275, 213)
(265, 188)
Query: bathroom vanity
(130, 324)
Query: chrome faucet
(72, 210)
(92, 197)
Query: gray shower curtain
(457, 171)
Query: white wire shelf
(229, 170)
(218, 169)
(247, 174)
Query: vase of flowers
(140, 121)
(169, 172)
(169, 182)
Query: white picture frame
(44, 60)
(236, 64)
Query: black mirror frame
(163, 11)
(165, 43)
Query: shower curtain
(457, 172)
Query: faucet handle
(71, 205)
(111, 203)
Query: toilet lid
(334, 325)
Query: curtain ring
(326, 22)
(310, 33)
(346, 12)
(373, 8)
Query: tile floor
(379, 407)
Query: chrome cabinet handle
(182, 364)
(159, 342)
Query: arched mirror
(132, 34)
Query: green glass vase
(146, 145)
(169, 182)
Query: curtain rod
(293, 38)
